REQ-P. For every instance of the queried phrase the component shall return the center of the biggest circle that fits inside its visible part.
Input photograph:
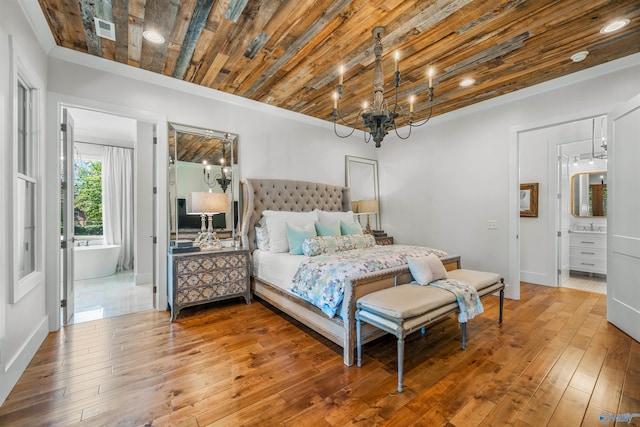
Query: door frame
(513, 291)
(55, 103)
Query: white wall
(270, 145)
(534, 168)
(23, 325)
(443, 185)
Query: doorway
(582, 209)
(545, 156)
(102, 274)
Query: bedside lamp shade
(209, 203)
(368, 206)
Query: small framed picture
(529, 200)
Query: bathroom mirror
(361, 176)
(589, 194)
(202, 160)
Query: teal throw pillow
(347, 228)
(296, 235)
(332, 229)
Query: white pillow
(427, 269)
(329, 218)
(262, 238)
(276, 226)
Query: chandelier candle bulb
(397, 58)
(430, 73)
(335, 100)
(341, 75)
(411, 101)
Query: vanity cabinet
(200, 277)
(588, 252)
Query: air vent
(105, 29)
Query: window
(87, 197)
(25, 213)
(26, 187)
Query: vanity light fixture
(467, 82)
(153, 36)
(379, 118)
(614, 26)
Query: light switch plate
(492, 224)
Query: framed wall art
(529, 200)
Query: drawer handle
(586, 263)
(592, 243)
(587, 253)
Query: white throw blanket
(466, 295)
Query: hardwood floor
(554, 361)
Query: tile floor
(110, 296)
(586, 283)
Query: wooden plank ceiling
(287, 52)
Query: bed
(261, 195)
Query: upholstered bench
(406, 308)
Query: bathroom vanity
(588, 251)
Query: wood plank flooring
(554, 361)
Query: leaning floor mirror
(361, 176)
(203, 182)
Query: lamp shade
(208, 203)
(354, 206)
(368, 206)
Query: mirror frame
(353, 162)
(572, 186)
(233, 188)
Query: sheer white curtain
(117, 202)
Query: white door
(623, 200)
(67, 220)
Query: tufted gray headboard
(286, 195)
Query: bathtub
(91, 262)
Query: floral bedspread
(320, 279)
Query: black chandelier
(223, 178)
(379, 118)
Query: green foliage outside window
(87, 197)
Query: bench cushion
(406, 301)
(410, 300)
(479, 279)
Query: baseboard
(143, 278)
(16, 366)
(535, 278)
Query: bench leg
(464, 335)
(501, 304)
(359, 345)
(400, 362)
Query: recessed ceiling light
(153, 37)
(579, 56)
(614, 26)
(467, 82)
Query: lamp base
(367, 229)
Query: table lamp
(207, 204)
(368, 207)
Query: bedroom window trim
(25, 214)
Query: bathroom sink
(588, 231)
